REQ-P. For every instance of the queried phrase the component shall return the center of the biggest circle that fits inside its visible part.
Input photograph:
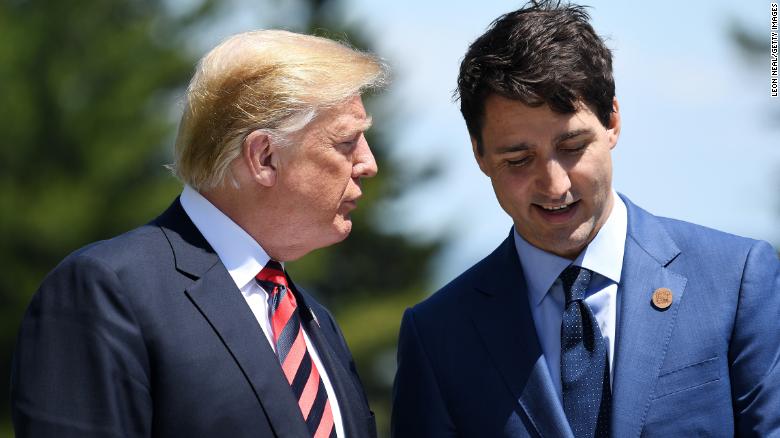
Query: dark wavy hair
(543, 53)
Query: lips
(556, 207)
(557, 213)
(350, 204)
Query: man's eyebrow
(571, 134)
(518, 147)
(523, 146)
(345, 130)
(366, 124)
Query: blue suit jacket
(147, 335)
(470, 364)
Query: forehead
(347, 118)
(509, 120)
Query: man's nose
(364, 163)
(553, 180)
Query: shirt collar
(242, 256)
(603, 255)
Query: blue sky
(699, 141)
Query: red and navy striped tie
(297, 364)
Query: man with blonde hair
(189, 326)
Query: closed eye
(518, 163)
(348, 145)
(575, 149)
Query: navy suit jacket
(470, 364)
(147, 335)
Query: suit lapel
(350, 397)
(502, 317)
(221, 304)
(643, 332)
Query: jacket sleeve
(754, 351)
(80, 367)
(419, 410)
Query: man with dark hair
(594, 317)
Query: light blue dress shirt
(603, 256)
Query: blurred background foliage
(89, 104)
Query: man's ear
(613, 130)
(257, 152)
(478, 156)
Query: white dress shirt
(244, 258)
(603, 256)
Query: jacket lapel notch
(515, 349)
(215, 295)
(221, 303)
(643, 331)
(349, 398)
(348, 395)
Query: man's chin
(567, 245)
(571, 246)
(343, 228)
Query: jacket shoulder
(707, 243)
(452, 298)
(136, 251)
(129, 265)
(686, 242)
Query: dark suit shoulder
(102, 278)
(128, 249)
(136, 253)
(449, 300)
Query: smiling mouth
(553, 210)
(557, 207)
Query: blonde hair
(271, 80)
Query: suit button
(662, 298)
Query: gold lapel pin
(662, 298)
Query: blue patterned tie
(587, 397)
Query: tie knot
(272, 272)
(575, 281)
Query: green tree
(85, 92)
(87, 119)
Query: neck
(253, 211)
